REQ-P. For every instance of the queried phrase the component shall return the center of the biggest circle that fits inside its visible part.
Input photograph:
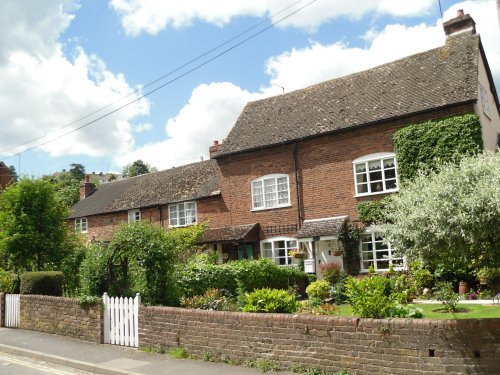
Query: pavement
(106, 359)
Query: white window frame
(134, 216)
(372, 232)
(81, 225)
(275, 257)
(266, 204)
(366, 160)
(181, 207)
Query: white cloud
(143, 127)
(213, 109)
(152, 16)
(42, 89)
(208, 116)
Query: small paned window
(270, 191)
(182, 214)
(379, 253)
(134, 216)
(81, 225)
(375, 174)
(278, 249)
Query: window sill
(377, 193)
(270, 208)
(181, 226)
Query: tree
(13, 173)
(33, 234)
(137, 168)
(451, 217)
(77, 171)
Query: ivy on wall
(421, 146)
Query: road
(16, 365)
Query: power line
(204, 54)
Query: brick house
(5, 175)
(294, 167)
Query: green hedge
(48, 283)
(198, 276)
(423, 145)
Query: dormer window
(270, 191)
(375, 174)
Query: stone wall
(61, 316)
(361, 346)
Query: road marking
(27, 363)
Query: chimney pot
(87, 178)
(86, 187)
(214, 149)
(462, 23)
(216, 143)
(460, 13)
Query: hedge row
(198, 276)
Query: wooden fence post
(2, 309)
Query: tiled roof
(234, 233)
(436, 78)
(192, 181)
(330, 226)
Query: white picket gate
(121, 320)
(12, 310)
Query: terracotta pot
(463, 288)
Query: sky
(74, 73)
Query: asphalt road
(16, 365)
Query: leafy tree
(77, 171)
(451, 217)
(13, 173)
(33, 234)
(137, 168)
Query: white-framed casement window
(374, 250)
(134, 216)
(277, 249)
(81, 225)
(270, 191)
(182, 214)
(375, 174)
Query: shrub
(48, 283)
(370, 297)
(7, 281)
(337, 293)
(330, 272)
(319, 289)
(93, 272)
(443, 292)
(199, 275)
(316, 306)
(268, 300)
(213, 299)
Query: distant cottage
(294, 167)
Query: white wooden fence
(12, 310)
(121, 319)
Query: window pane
(291, 244)
(360, 178)
(374, 165)
(375, 176)
(391, 184)
(389, 173)
(376, 186)
(367, 255)
(389, 163)
(268, 254)
(362, 188)
(361, 167)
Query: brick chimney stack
(460, 24)
(86, 187)
(214, 149)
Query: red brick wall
(5, 176)
(102, 227)
(61, 316)
(326, 181)
(361, 346)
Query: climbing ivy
(423, 146)
(372, 212)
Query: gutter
(295, 163)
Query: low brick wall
(362, 346)
(61, 316)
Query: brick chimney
(214, 149)
(462, 23)
(86, 187)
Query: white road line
(27, 363)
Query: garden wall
(61, 316)
(363, 346)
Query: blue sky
(61, 60)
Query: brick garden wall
(363, 346)
(61, 316)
